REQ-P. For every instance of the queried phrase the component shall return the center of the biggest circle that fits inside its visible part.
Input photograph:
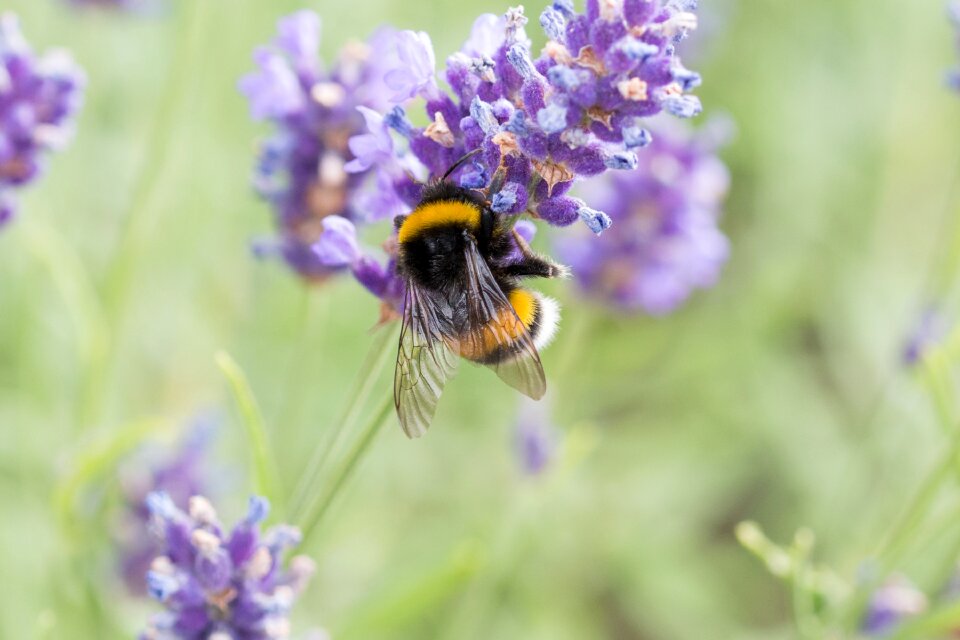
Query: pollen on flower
(679, 24)
(204, 541)
(633, 89)
(201, 510)
(439, 131)
(328, 94)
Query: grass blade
(266, 474)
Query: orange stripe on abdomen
(497, 336)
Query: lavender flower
(106, 4)
(953, 13)
(39, 98)
(301, 170)
(891, 603)
(666, 210)
(222, 585)
(535, 437)
(533, 126)
(180, 474)
(931, 328)
(573, 112)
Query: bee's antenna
(459, 163)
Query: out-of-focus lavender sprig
(894, 601)
(39, 98)
(953, 13)
(535, 438)
(183, 473)
(301, 169)
(667, 211)
(109, 4)
(222, 584)
(931, 328)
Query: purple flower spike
(575, 111)
(531, 125)
(894, 601)
(953, 13)
(115, 4)
(6, 210)
(178, 474)
(222, 586)
(39, 99)
(930, 330)
(664, 242)
(536, 438)
(329, 139)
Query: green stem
(936, 624)
(302, 359)
(82, 303)
(891, 552)
(370, 370)
(137, 225)
(315, 511)
(943, 268)
(265, 470)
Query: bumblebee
(464, 299)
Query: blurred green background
(778, 396)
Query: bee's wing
(493, 323)
(424, 360)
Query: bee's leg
(533, 264)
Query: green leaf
(266, 474)
(316, 509)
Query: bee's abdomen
(529, 312)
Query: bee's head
(398, 221)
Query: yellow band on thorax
(437, 214)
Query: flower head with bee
(508, 139)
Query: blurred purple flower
(135, 6)
(895, 600)
(302, 169)
(535, 437)
(414, 72)
(219, 584)
(6, 210)
(182, 473)
(370, 149)
(665, 213)
(953, 13)
(39, 99)
(931, 328)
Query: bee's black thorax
(433, 253)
